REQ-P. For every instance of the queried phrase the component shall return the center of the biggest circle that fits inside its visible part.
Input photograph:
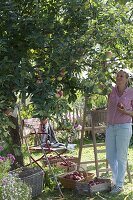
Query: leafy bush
(11, 187)
(14, 189)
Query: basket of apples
(54, 159)
(70, 158)
(99, 185)
(70, 179)
(93, 186)
(67, 165)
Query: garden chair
(34, 127)
(37, 139)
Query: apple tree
(47, 45)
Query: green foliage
(11, 187)
(49, 180)
(87, 154)
(26, 111)
(4, 168)
(122, 1)
(14, 188)
(46, 45)
(98, 101)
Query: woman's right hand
(120, 106)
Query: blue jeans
(117, 142)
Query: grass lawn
(87, 154)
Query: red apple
(97, 182)
(63, 72)
(57, 95)
(71, 176)
(61, 93)
(120, 105)
(76, 173)
(92, 184)
(75, 177)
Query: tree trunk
(16, 147)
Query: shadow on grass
(47, 194)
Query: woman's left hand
(122, 110)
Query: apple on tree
(63, 72)
(109, 54)
(101, 86)
(59, 78)
(59, 93)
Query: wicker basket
(70, 183)
(67, 183)
(33, 177)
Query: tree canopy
(46, 45)
(58, 48)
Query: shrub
(11, 187)
(14, 188)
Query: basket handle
(84, 172)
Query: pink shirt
(113, 115)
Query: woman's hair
(127, 76)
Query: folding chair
(33, 127)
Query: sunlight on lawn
(87, 154)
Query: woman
(119, 128)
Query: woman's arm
(129, 112)
(124, 111)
